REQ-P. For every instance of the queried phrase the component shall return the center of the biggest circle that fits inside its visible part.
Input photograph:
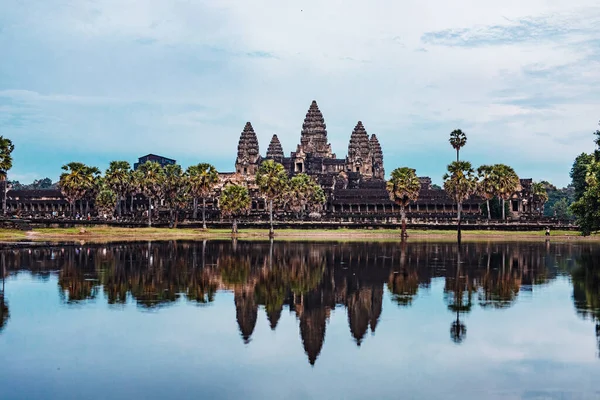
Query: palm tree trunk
(4, 197)
(503, 211)
(403, 218)
(81, 207)
(271, 233)
(176, 218)
(149, 211)
(489, 211)
(119, 207)
(132, 211)
(234, 227)
(87, 206)
(458, 210)
(457, 150)
(204, 213)
(195, 214)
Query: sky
(101, 80)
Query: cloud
(103, 79)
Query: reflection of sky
(538, 348)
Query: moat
(296, 320)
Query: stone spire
(275, 151)
(314, 134)
(359, 152)
(377, 154)
(248, 156)
(246, 313)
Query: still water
(260, 320)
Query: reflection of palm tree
(458, 330)
(461, 301)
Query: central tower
(313, 138)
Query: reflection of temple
(309, 279)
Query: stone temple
(353, 184)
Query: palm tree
(303, 193)
(203, 178)
(460, 183)
(105, 201)
(272, 181)
(487, 185)
(458, 140)
(176, 190)
(74, 183)
(540, 195)
(150, 177)
(403, 187)
(234, 201)
(93, 183)
(118, 180)
(6, 149)
(507, 182)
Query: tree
(272, 181)
(118, 179)
(587, 208)
(6, 149)
(106, 201)
(562, 210)
(176, 190)
(78, 182)
(540, 195)
(203, 178)
(42, 184)
(150, 176)
(579, 172)
(403, 187)
(234, 201)
(304, 193)
(460, 183)
(458, 140)
(487, 185)
(507, 182)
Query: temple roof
(275, 150)
(248, 144)
(375, 147)
(359, 146)
(314, 133)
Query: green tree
(304, 193)
(587, 208)
(272, 181)
(507, 183)
(487, 185)
(540, 195)
(403, 187)
(234, 201)
(6, 149)
(176, 190)
(203, 178)
(579, 173)
(77, 183)
(150, 177)
(106, 201)
(458, 140)
(562, 210)
(118, 179)
(460, 183)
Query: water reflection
(312, 279)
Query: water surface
(256, 320)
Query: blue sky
(94, 81)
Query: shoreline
(109, 234)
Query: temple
(354, 185)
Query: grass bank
(106, 234)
